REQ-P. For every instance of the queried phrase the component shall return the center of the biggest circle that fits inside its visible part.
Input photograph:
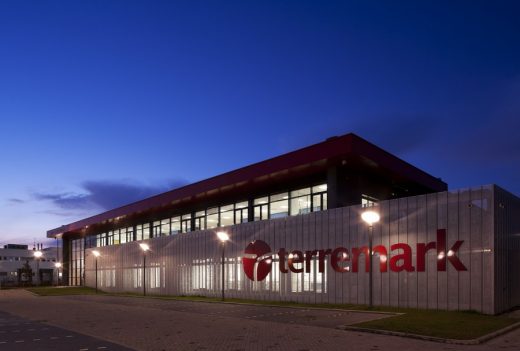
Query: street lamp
(96, 254)
(58, 266)
(370, 217)
(223, 237)
(145, 248)
(38, 254)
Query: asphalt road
(20, 334)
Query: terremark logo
(257, 260)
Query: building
(18, 266)
(296, 234)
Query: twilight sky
(107, 102)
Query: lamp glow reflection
(370, 217)
(96, 254)
(37, 255)
(223, 237)
(144, 247)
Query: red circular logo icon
(257, 260)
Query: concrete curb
(476, 341)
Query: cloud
(66, 200)
(104, 195)
(15, 201)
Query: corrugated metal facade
(189, 264)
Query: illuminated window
(186, 223)
(212, 218)
(319, 197)
(156, 229)
(261, 208)
(200, 220)
(279, 205)
(241, 212)
(165, 227)
(368, 201)
(300, 201)
(176, 225)
(226, 215)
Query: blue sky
(106, 102)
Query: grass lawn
(59, 291)
(442, 324)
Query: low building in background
(20, 267)
(296, 234)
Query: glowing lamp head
(57, 264)
(96, 253)
(144, 247)
(223, 236)
(38, 254)
(370, 217)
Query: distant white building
(18, 266)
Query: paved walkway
(151, 324)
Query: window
(77, 262)
(130, 234)
(175, 225)
(186, 223)
(368, 201)
(241, 212)
(212, 218)
(122, 236)
(300, 201)
(142, 231)
(261, 208)
(200, 220)
(110, 237)
(226, 215)
(279, 205)
(319, 197)
(101, 239)
(156, 229)
(165, 227)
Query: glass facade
(278, 205)
(77, 262)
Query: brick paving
(152, 324)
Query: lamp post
(223, 237)
(58, 266)
(96, 254)
(38, 254)
(145, 248)
(370, 217)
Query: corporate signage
(258, 257)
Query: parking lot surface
(20, 334)
(153, 324)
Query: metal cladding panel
(507, 250)
(461, 279)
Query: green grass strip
(441, 324)
(61, 291)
